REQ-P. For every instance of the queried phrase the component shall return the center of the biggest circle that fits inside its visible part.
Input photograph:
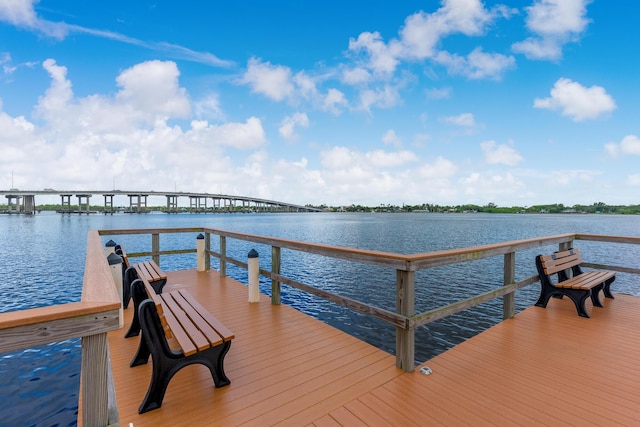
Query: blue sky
(358, 102)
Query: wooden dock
(545, 366)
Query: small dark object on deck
(578, 287)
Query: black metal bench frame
(166, 362)
(577, 295)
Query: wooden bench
(154, 278)
(177, 331)
(145, 269)
(571, 280)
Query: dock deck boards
(546, 366)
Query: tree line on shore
(596, 208)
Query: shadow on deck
(545, 366)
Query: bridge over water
(24, 202)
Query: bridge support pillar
(87, 207)
(108, 204)
(172, 203)
(65, 202)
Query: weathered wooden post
(115, 265)
(508, 300)
(155, 248)
(200, 252)
(275, 269)
(254, 280)
(405, 305)
(223, 256)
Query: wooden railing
(99, 309)
(97, 313)
(404, 318)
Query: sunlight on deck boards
(545, 366)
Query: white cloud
(383, 97)
(288, 126)
(333, 101)
(272, 81)
(356, 76)
(391, 138)
(18, 12)
(439, 93)
(153, 87)
(576, 101)
(554, 23)
(422, 32)
(465, 120)
(477, 65)
(630, 145)
(500, 154)
(491, 186)
(384, 159)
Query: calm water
(42, 262)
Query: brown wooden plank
(155, 271)
(545, 367)
(183, 324)
(220, 329)
(196, 317)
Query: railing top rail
(407, 262)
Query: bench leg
(579, 296)
(166, 362)
(127, 279)
(158, 285)
(606, 290)
(595, 296)
(138, 294)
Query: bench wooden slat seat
(153, 276)
(571, 280)
(150, 271)
(177, 331)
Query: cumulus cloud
(477, 65)
(422, 33)
(500, 154)
(288, 126)
(553, 23)
(153, 87)
(630, 145)
(576, 101)
(272, 81)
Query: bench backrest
(560, 261)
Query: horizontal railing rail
(98, 312)
(404, 318)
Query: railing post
(223, 256)
(405, 305)
(110, 247)
(155, 247)
(207, 251)
(275, 269)
(115, 264)
(508, 300)
(565, 246)
(253, 270)
(95, 381)
(200, 252)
